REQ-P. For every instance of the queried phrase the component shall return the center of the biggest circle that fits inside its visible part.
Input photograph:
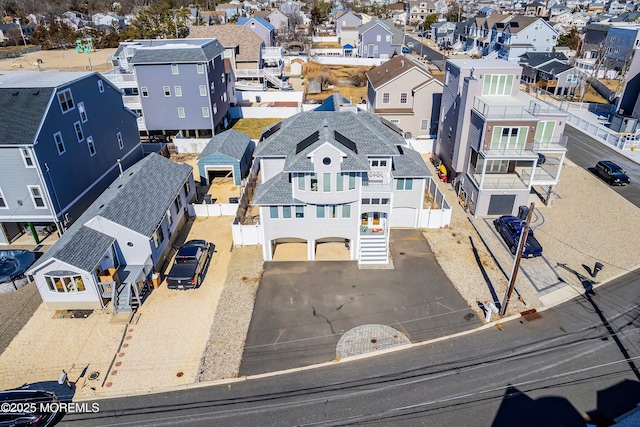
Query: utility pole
(516, 262)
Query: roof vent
(35, 92)
(101, 206)
(15, 93)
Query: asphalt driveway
(303, 308)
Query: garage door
(403, 217)
(501, 204)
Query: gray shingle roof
(537, 58)
(21, 113)
(138, 200)
(276, 191)
(178, 52)
(555, 67)
(231, 143)
(366, 130)
(409, 165)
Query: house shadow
(519, 409)
(615, 401)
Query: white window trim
(175, 69)
(406, 99)
(203, 90)
(205, 112)
(120, 140)
(83, 112)
(33, 199)
(177, 90)
(91, 144)
(181, 113)
(144, 91)
(77, 125)
(4, 199)
(24, 157)
(386, 95)
(64, 149)
(68, 90)
(166, 91)
(200, 68)
(100, 86)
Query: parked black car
(612, 173)
(510, 228)
(28, 408)
(190, 265)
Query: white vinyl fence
(246, 234)
(215, 209)
(440, 216)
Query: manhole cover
(367, 338)
(94, 375)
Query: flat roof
(29, 79)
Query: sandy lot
(61, 60)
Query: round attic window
(326, 161)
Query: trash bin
(155, 280)
(523, 212)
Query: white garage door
(403, 217)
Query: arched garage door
(403, 217)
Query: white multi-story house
(526, 34)
(337, 176)
(495, 141)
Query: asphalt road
(586, 152)
(557, 367)
(435, 56)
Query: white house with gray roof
(337, 176)
(130, 228)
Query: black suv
(612, 173)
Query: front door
(371, 219)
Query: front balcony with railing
(555, 145)
(120, 78)
(510, 107)
(519, 179)
(377, 182)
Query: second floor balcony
(518, 179)
(377, 182)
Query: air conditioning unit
(408, 135)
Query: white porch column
(311, 250)
(267, 250)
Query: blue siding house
(58, 148)
(181, 85)
(229, 151)
(379, 39)
(126, 234)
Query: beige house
(404, 92)
(243, 48)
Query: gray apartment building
(337, 176)
(495, 141)
(178, 87)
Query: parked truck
(190, 265)
(510, 228)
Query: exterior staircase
(492, 55)
(275, 80)
(125, 297)
(374, 249)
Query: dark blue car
(510, 228)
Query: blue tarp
(14, 263)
